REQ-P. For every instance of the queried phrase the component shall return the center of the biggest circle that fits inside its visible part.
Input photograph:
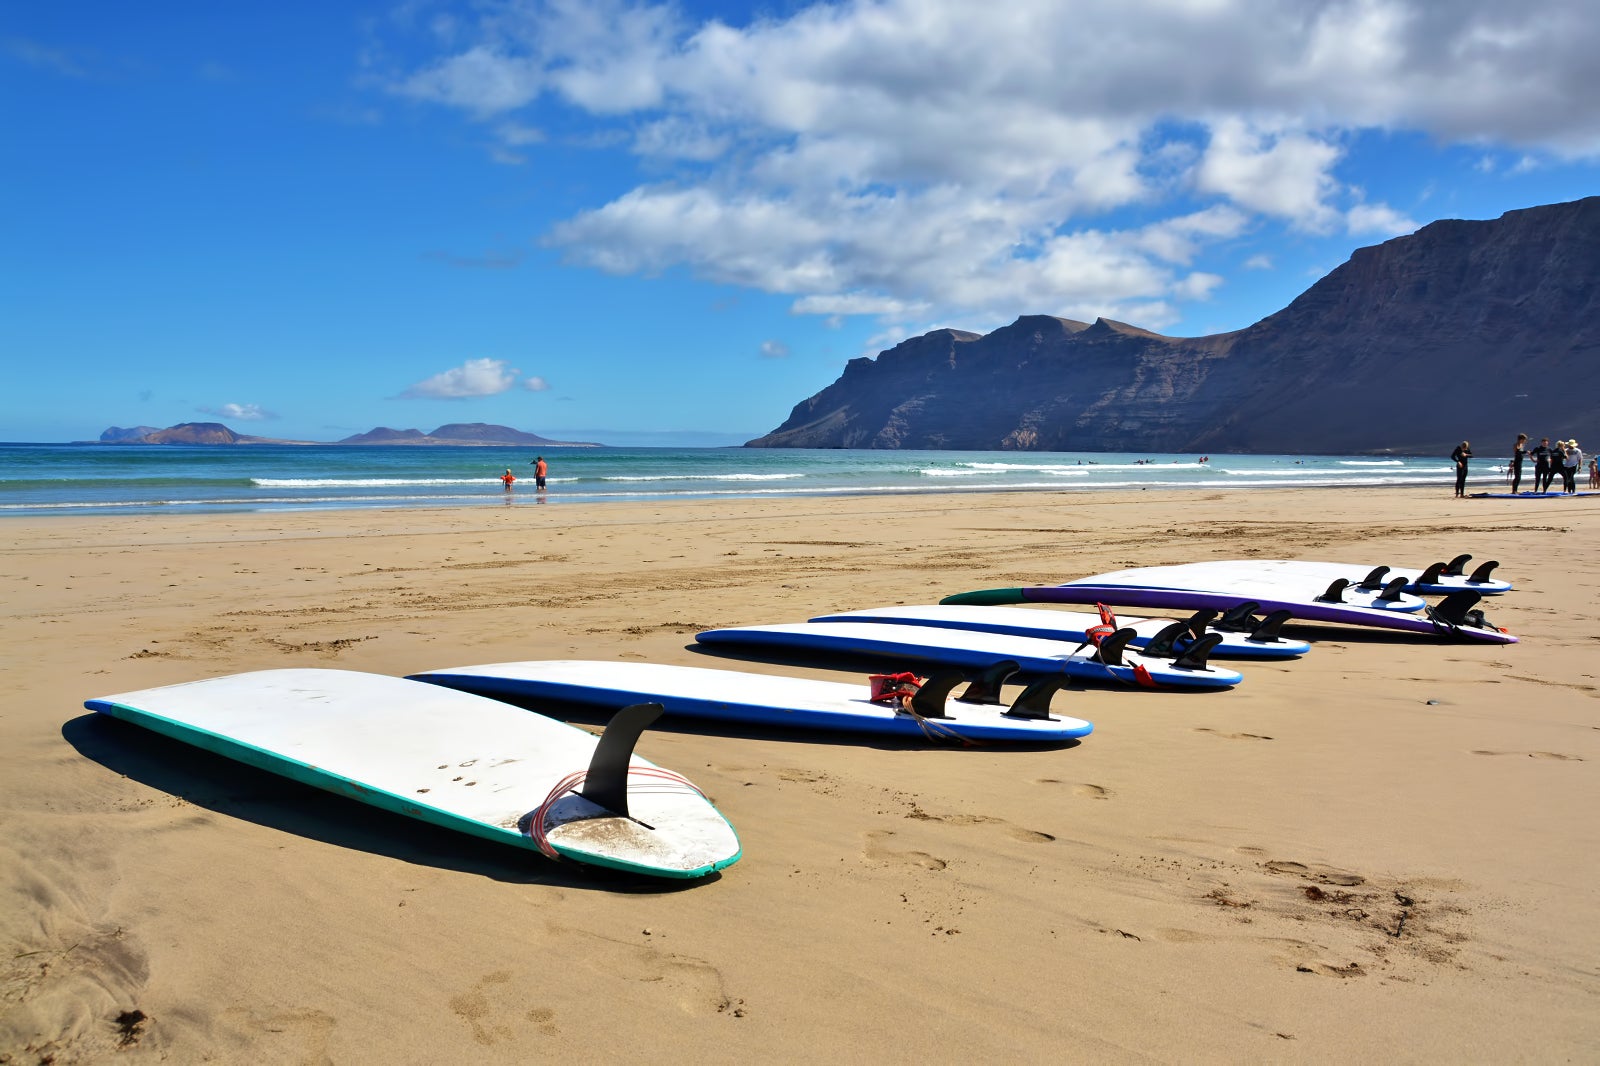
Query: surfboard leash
(533, 824)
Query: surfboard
(1161, 637)
(965, 649)
(1456, 617)
(1526, 495)
(1259, 580)
(1438, 579)
(762, 699)
(460, 761)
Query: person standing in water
(1517, 453)
(508, 477)
(1462, 453)
(539, 471)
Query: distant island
(456, 433)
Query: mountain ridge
(1463, 329)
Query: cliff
(1463, 329)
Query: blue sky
(646, 223)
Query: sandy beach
(1387, 850)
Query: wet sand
(1385, 850)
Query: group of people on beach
(540, 470)
(1564, 458)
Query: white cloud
(475, 377)
(239, 412)
(873, 157)
(536, 384)
(1380, 219)
(774, 350)
(1260, 261)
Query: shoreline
(1270, 833)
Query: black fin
(1391, 592)
(1374, 580)
(929, 700)
(1195, 657)
(1239, 616)
(607, 782)
(985, 688)
(1454, 607)
(1454, 567)
(1431, 575)
(1335, 593)
(1111, 649)
(1270, 625)
(1164, 644)
(1198, 621)
(1035, 699)
(1481, 574)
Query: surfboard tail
(988, 597)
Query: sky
(667, 224)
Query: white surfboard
(460, 761)
(1053, 624)
(1274, 579)
(1439, 579)
(955, 648)
(790, 702)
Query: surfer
(1594, 473)
(539, 471)
(1462, 453)
(1541, 465)
(508, 477)
(1517, 452)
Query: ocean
(102, 479)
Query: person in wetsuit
(1541, 465)
(1517, 453)
(1462, 453)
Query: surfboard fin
(1431, 575)
(1481, 574)
(1164, 644)
(1458, 609)
(1391, 592)
(1335, 593)
(1238, 617)
(929, 699)
(985, 688)
(607, 782)
(1194, 657)
(1455, 566)
(1110, 649)
(1198, 621)
(1267, 631)
(1374, 581)
(1035, 699)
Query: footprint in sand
(1230, 736)
(1085, 790)
(876, 850)
(1325, 875)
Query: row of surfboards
(458, 747)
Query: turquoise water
(142, 479)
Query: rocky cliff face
(1476, 330)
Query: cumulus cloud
(774, 350)
(535, 384)
(871, 157)
(475, 377)
(239, 412)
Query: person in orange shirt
(539, 471)
(508, 477)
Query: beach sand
(1385, 851)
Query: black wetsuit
(1516, 468)
(1541, 468)
(1461, 455)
